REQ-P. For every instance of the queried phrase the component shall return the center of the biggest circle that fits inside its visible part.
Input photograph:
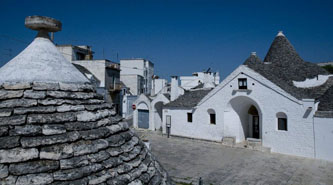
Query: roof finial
(280, 34)
(43, 25)
(253, 53)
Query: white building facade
(197, 78)
(137, 71)
(259, 102)
(104, 74)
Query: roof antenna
(43, 25)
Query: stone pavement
(186, 160)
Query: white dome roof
(40, 62)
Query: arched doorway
(254, 126)
(143, 115)
(242, 119)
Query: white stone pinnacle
(280, 34)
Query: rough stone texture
(57, 152)
(35, 179)
(66, 108)
(5, 112)
(53, 129)
(9, 142)
(18, 155)
(45, 86)
(49, 140)
(83, 181)
(27, 130)
(3, 131)
(76, 87)
(77, 173)
(17, 103)
(3, 171)
(70, 95)
(93, 116)
(34, 94)
(10, 94)
(44, 109)
(12, 120)
(15, 86)
(51, 118)
(33, 167)
(87, 147)
(10, 180)
(96, 107)
(51, 133)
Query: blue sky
(179, 37)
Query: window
(242, 83)
(189, 117)
(212, 119)
(282, 121)
(212, 116)
(80, 56)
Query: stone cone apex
(63, 133)
(282, 51)
(41, 61)
(253, 59)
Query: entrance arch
(143, 115)
(243, 119)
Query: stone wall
(66, 134)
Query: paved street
(187, 160)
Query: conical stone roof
(283, 65)
(253, 59)
(62, 132)
(282, 51)
(40, 61)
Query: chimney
(174, 88)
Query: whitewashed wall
(324, 138)
(200, 128)
(96, 67)
(268, 98)
(157, 108)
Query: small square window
(282, 124)
(189, 117)
(242, 83)
(212, 119)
